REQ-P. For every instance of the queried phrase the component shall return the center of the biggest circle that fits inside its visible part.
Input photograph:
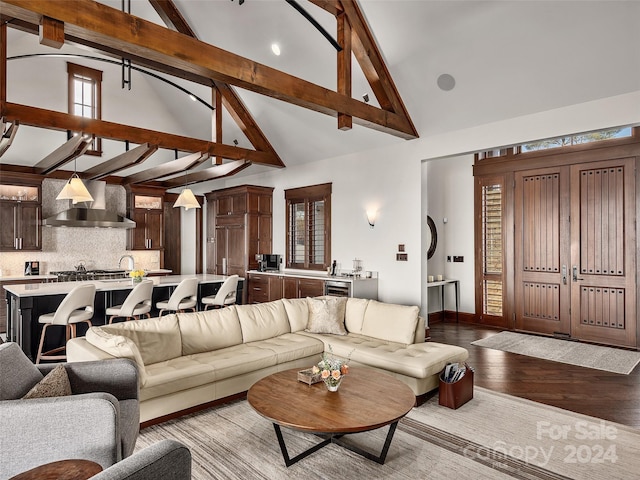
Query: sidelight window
(309, 227)
(85, 92)
(491, 244)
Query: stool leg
(44, 329)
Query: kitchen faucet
(131, 261)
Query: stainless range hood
(90, 214)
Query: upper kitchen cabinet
(239, 224)
(20, 216)
(145, 206)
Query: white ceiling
(509, 58)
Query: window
(309, 227)
(577, 139)
(491, 246)
(85, 92)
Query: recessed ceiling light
(275, 48)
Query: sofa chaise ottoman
(187, 360)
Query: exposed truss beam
(7, 136)
(125, 160)
(167, 169)
(65, 153)
(212, 173)
(172, 17)
(113, 30)
(40, 117)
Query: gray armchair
(99, 422)
(166, 460)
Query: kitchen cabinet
(147, 210)
(239, 226)
(20, 217)
(267, 288)
(264, 288)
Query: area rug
(494, 436)
(615, 360)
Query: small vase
(137, 279)
(333, 384)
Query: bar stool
(76, 307)
(137, 303)
(184, 297)
(225, 296)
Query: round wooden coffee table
(366, 400)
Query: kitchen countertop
(62, 288)
(313, 274)
(13, 278)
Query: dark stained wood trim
(120, 162)
(345, 122)
(114, 30)
(39, 117)
(332, 6)
(51, 32)
(7, 135)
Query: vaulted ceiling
(509, 58)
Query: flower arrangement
(137, 275)
(332, 369)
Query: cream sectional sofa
(189, 359)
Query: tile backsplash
(64, 247)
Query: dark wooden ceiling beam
(372, 63)
(224, 94)
(345, 122)
(7, 136)
(332, 6)
(112, 29)
(212, 173)
(40, 117)
(123, 161)
(167, 169)
(65, 153)
(51, 32)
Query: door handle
(564, 274)
(575, 274)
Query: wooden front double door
(575, 251)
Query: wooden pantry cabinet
(269, 287)
(145, 206)
(20, 216)
(239, 226)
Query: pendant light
(74, 189)
(186, 198)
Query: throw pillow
(55, 384)
(17, 373)
(326, 315)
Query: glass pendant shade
(75, 191)
(187, 200)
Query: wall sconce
(372, 215)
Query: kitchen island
(27, 302)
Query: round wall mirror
(432, 237)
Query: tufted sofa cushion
(209, 330)
(395, 323)
(157, 339)
(263, 320)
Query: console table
(441, 284)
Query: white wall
(449, 188)
(187, 241)
(396, 178)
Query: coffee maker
(261, 262)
